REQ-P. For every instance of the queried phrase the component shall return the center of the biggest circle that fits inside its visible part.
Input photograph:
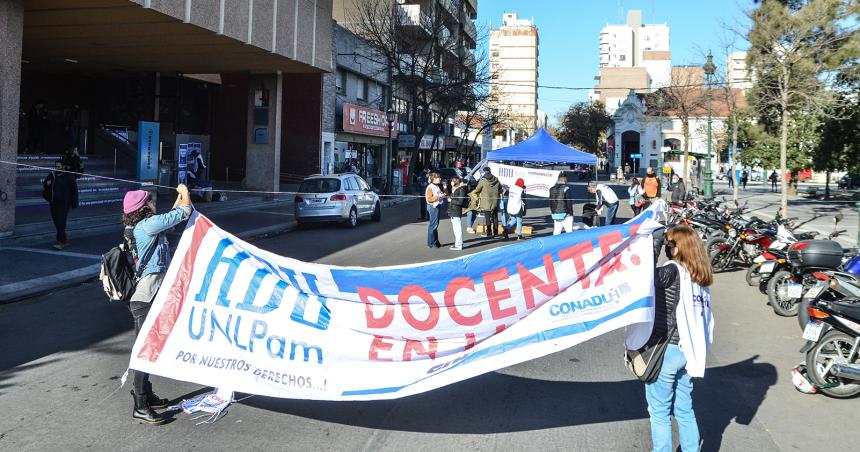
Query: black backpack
(117, 274)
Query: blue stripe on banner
(436, 276)
(543, 336)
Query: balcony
(448, 5)
(472, 8)
(470, 30)
(410, 15)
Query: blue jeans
(503, 210)
(515, 221)
(470, 218)
(433, 226)
(610, 214)
(673, 383)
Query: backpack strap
(133, 246)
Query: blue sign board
(147, 150)
(636, 156)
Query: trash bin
(589, 214)
(166, 176)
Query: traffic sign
(636, 156)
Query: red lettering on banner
(612, 264)
(450, 292)
(417, 291)
(378, 345)
(575, 254)
(495, 296)
(417, 347)
(365, 294)
(530, 281)
(500, 328)
(470, 341)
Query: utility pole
(709, 69)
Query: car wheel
(377, 212)
(352, 221)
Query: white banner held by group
(232, 315)
(538, 181)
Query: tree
(795, 52)
(684, 98)
(431, 68)
(584, 126)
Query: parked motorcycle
(833, 347)
(809, 259)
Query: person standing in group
(471, 211)
(683, 316)
(422, 183)
(605, 197)
(458, 200)
(679, 190)
(488, 191)
(651, 185)
(745, 177)
(72, 161)
(619, 176)
(146, 232)
(773, 178)
(61, 191)
(433, 196)
(516, 208)
(561, 206)
(637, 198)
(731, 177)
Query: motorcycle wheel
(782, 307)
(712, 245)
(753, 276)
(833, 348)
(721, 260)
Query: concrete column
(263, 161)
(11, 38)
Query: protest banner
(538, 181)
(231, 315)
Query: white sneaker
(456, 248)
(470, 230)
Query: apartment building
(737, 73)
(514, 63)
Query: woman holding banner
(146, 234)
(682, 315)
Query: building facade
(633, 55)
(242, 81)
(737, 73)
(514, 65)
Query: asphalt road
(63, 353)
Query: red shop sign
(366, 121)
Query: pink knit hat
(134, 200)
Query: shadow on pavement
(499, 403)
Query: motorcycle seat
(848, 308)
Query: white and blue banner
(148, 138)
(231, 315)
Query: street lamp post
(709, 69)
(391, 116)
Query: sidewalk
(31, 268)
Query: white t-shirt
(608, 195)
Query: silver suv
(337, 197)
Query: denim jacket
(153, 232)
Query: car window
(350, 184)
(362, 184)
(322, 185)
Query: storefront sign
(408, 141)
(367, 121)
(147, 150)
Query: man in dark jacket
(458, 201)
(679, 191)
(61, 191)
(561, 206)
(489, 191)
(422, 183)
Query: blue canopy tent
(542, 147)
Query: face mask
(670, 251)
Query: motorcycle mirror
(838, 218)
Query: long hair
(131, 219)
(691, 253)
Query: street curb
(10, 293)
(37, 286)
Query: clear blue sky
(569, 33)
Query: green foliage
(584, 125)
(758, 147)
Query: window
(363, 89)
(362, 184)
(622, 57)
(341, 81)
(350, 184)
(320, 186)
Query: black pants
(139, 310)
(60, 214)
(491, 222)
